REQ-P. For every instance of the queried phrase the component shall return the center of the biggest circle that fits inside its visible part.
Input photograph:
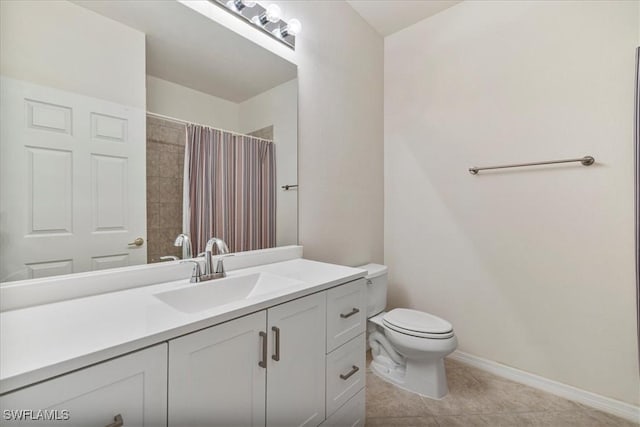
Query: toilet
(408, 346)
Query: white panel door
(72, 182)
(132, 387)
(296, 365)
(215, 377)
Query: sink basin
(206, 295)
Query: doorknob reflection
(138, 242)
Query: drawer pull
(351, 313)
(263, 362)
(117, 421)
(353, 370)
(276, 356)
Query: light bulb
(294, 27)
(248, 3)
(272, 14)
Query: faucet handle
(220, 264)
(197, 274)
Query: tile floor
(478, 398)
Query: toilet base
(424, 377)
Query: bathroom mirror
(95, 119)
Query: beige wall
(340, 126)
(68, 47)
(340, 73)
(534, 267)
(173, 100)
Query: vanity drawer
(351, 414)
(129, 390)
(346, 313)
(346, 373)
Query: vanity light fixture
(271, 14)
(238, 5)
(267, 19)
(293, 27)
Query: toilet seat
(417, 323)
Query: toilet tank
(376, 288)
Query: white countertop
(43, 341)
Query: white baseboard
(596, 401)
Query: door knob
(138, 242)
(118, 421)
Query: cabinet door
(214, 376)
(132, 388)
(296, 368)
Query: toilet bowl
(408, 347)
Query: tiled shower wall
(165, 169)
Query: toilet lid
(417, 322)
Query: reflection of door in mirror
(75, 167)
(72, 141)
(86, 182)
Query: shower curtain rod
(186, 122)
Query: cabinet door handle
(276, 356)
(349, 314)
(263, 362)
(353, 370)
(117, 421)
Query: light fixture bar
(265, 19)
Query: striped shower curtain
(231, 181)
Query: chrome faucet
(196, 275)
(219, 272)
(183, 241)
(208, 252)
(209, 273)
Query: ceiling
(191, 50)
(389, 16)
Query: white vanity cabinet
(129, 390)
(345, 359)
(351, 414)
(296, 365)
(346, 313)
(268, 363)
(215, 377)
